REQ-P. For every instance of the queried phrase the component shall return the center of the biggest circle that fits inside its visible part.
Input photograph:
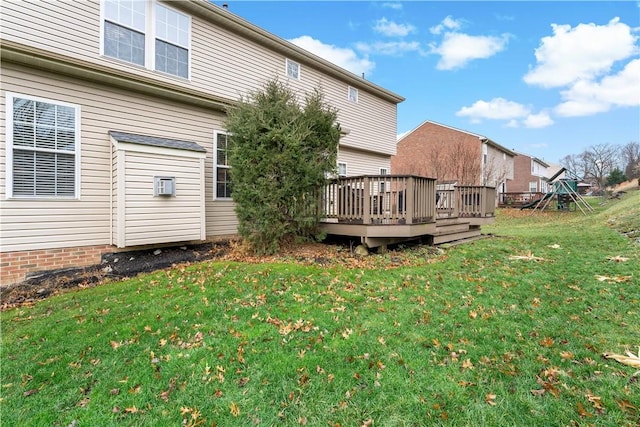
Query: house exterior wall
(498, 168)
(143, 218)
(239, 64)
(440, 152)
(363, 163)
(227, 60)
(527, 171)
(448, 154)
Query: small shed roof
(156, 141)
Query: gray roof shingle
(156, 141)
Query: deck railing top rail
(380, 199)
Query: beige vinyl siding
(360, 163)
(223, 64)
(87, 221)
(149, 219)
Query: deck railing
(475, 201)
(380, 199)
(446, 206)
(402, 199)
(517, 199)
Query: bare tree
(496, 171)
(576, 163)
(600, 160)
(630, 154)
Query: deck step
(462, 241)
(450, 237)
(451, 228)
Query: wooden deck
(386, 209)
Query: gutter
(20, 54)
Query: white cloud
(540, 120)
(393, 29)
(584, 52)
(447, 23)
(389, 48)
(394, 6)
(591, 97)
(343, 57)
(457, 49)
(497, 109)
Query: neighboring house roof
(482, 138)
(553, 169)
(155, 141)
(542, 162)
(556, 174)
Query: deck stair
(449, 230)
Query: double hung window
(148, 34)
(222, 177)
(43, 147)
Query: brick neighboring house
(529, 174)
(449, 154)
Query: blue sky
(544, 78)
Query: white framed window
(533, 186)
(352, 94)
(292, 69)
(172, 41)
(383, 171)
(147, 33)
(221, 178)
(43, 148)
(342, 169)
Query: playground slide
(533, 204)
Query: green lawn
(505, 331)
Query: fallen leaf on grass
(629, 359)
(235, 411)
(490, 399)
(30, 392)
(555, 246)
(618, 258)
(582, 412)
(626, 406)
(612, 279)
(528, 257)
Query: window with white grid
(43, 146)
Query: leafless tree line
(598, 161)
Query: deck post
(410, 200)
(457, 199)
(367, 195)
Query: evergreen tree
(281, 153)
(616, 177)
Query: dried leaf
(490, 399)
(235, 411)
(528, 257)
(618, 258)
(629, 359)
(612, 279)
(627, 407)
(30, 392)
(582, 412)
